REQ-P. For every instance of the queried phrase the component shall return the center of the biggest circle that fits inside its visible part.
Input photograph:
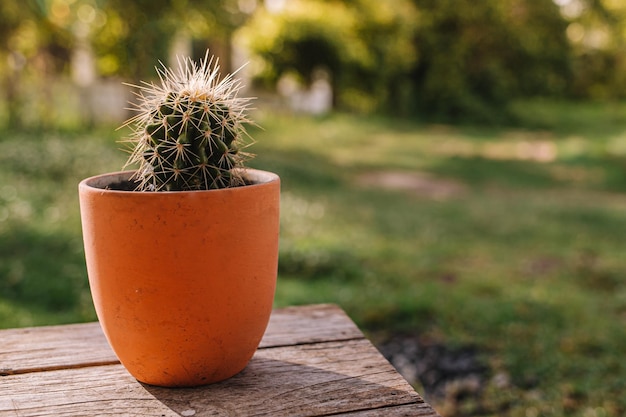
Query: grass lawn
(505, 240)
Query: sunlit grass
(521, 258)
(42, 271)
(526, 261)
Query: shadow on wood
(319, 386)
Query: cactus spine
(189, 131)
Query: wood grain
(306, 380)
(38, 349)
(309, 324)
(79, 345)
(313, 361)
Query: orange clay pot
(182, 282)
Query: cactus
(189, 132)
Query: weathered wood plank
(53, 347)
(305, 380)
(79, 345)
(309, 324)
(410, 410)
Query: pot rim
(100, 182)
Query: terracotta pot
(182, 282)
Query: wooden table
(313, 361)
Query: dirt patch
(419, 183)
(447, 377)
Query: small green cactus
(189, 131)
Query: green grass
(524, 259)
(42, 269)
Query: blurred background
(454, 173)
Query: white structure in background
(83, 65)
(317, 99)
(106, 100)
(275, 6)
(181, 47)
(99, 100)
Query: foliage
(138, 33)
(597, 32)
(446, 60)
(41, 41)
(366, 47)
(441, 60)
(32, 49)
(477, 57)
(189, 130)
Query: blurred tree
(31, 47)
(597, 32)
(139, 33)
(451, 59)
(135, 36)
(388, 29)
(467, 61)
(475, 57)
(40, 39)
(366, 47)
(9, 23)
